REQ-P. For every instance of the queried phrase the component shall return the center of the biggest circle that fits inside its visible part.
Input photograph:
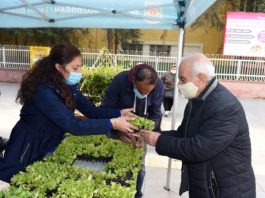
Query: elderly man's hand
(150, 137)
(135, 139)
(126, 137)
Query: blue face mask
(73, 78)
(138, 94)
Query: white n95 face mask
(189, 90)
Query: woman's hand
(122, 124)
(127, 112)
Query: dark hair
(143, 72)
(44, 71)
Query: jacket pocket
(213, 185)
(24, 153)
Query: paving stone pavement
(156, 166)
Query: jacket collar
(209, 88)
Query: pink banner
(244, 34)
(246, 15)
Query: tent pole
(174, 117)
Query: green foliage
(79, 188)
(55, 176)
(16, 192)
(251, 6)
(95, 81)
(35, 36)
(114, 190)
(143, 123)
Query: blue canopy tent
(133, 14)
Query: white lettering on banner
(69, 10)
(74, 10)
(28, 10)
(17, 11)
(136, 12)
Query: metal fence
(239, 68)
(226, 67)
(14, 57)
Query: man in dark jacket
(141, 89)
(213, 139)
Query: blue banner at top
(131, 14)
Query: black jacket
(214, 146)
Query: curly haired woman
(49, 94)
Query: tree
(121, 37)
(110, 39)
(215, 15)
(41, 36)
(252, 5)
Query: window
(133, 47)
(160, 50)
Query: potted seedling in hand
(135, 138)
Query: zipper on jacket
(190, 108)
(187, 122)
(213, 186)
(23, 155)
(187, 175)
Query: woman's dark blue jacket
(43, 123)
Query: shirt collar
(209, 88)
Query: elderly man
(213, 139)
